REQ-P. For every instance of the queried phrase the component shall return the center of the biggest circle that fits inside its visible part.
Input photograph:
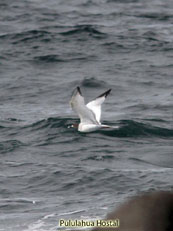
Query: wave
(49, 32)
(50, 123)
(89, 30)
(156, 16)
(53, 58)
(127, 128)
(130, 128)
(93, 82)
(58, 130)
(25, 36)
(101, 158)
(45, 34)
(49, 58)
(9, 145)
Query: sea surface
(49, 171)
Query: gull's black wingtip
(105, 94)
(78, 89)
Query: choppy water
(49, 171)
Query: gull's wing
(95, 105)
(78, 105)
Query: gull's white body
(90, 113)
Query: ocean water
(49, 171)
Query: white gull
(90, 113)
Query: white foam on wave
(72, 212)
(42, 224)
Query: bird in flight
(89, 114)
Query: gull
(89, 114)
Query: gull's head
(75, 126)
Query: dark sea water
(49, 171)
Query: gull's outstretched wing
(78, 105)
(95, 105)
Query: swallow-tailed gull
(90, 113)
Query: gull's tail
(108, 126)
